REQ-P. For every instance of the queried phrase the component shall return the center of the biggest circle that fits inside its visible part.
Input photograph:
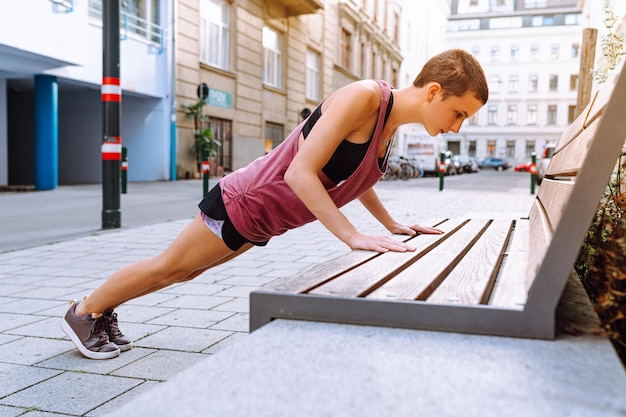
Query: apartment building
(530, 50)
(51, 117)
(269, 63)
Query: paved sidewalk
(173, 329)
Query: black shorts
(212, 205)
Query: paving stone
(203, 302)
(75, 361)
(32, 350)
(183, 339)
(160, 365)
(71, 393)
(17, 377)
(201, 319)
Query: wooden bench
(497, 276)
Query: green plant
(203, 135)
(601, 260)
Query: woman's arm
(351, 112)
(372, 203)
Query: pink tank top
(261, 205)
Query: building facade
(530, 51)
(269, 63)
(51, 117)
(423, 35)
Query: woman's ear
(434, 88)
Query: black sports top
(348, 155)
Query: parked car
(499, 164)
(523, 167)
(544, 161)
(465, 164)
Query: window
(514, 52)
(492, 115)
(363, 60)
(532, 83)
(554, 82)
(494, 52)
(472, 148)
(346, 48)
(494, 84)
(491, 148)
(572, 19)
(214, 32)
(530, 148)
(552, 114)
(139, 19)
(531, 4)
(274, 135)
(554, 51)
(272, 48)
(513, 84)
(534, 50)
(473, 120)
(510, 149)
(373, 70)
(571, 114)
(575, 50)
(473, 2)
(532, 114)
(573, 82)
(476, 51)
(312, 75)
(511, 114)
(222, 131)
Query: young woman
(333, 157)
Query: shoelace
(111, 325)
(98, 328)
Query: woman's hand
(412, 230)
(377, 243)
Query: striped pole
(206, 167)
(442, 169)
(111, 115)
(124, 169)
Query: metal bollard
(533, 172)
(442, 169)
(205, 172)
(124, 169)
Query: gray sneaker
(114, 333)
(89, 335)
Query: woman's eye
(458, 115)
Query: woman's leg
(200, 271)
(194, 250)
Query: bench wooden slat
(421, 278)
(313, 277)
(360, 280)
(553, 195)
(568, 157)
(472, 280)
(511, 288)
(541, 232)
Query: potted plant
(203, 135)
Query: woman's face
(445, 115)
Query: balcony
(287, 8)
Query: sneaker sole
(82, 349)
(124, 348)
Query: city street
(30, 218)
